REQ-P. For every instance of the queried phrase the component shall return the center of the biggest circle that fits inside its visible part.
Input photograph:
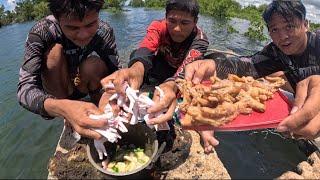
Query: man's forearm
(55, 107)
(30, 94)
(138, 67)
(238, 66)
(143, 55)
(172, 85)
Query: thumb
(158, 105)
(206, 69)
(95, 111)
(108, 79)
(119, 83)
(135, 84)
(199, 74)
(156, 108)
(190, 70)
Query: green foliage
(24, 11)
(155, 3)
(40, 10)
(114, 4)
(314, 27)
(255, 31)
(2, 11)
(257, 25)
(2, 15)
(219, 8)
(136, 3)
(8, 17)
(226, 9)
(231, 29)
(250, 13)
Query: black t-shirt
(271, 59)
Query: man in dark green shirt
(293, 53)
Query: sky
(8, 4)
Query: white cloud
(314, 2)
(9, 4)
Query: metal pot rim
(91, 160)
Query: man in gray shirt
(66, 56)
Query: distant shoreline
(312, 7)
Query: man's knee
(55, 78)
(55, 58)
(94, 68)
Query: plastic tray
(277, 109)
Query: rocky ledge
(71, 162)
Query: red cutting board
(277, 109)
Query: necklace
(77, 79)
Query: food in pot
(127, 160)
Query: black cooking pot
(140, 136)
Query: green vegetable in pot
(128, 160)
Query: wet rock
(186, 156)
(199, 165)
(72, 165)
(290, 175)
(178, 153)
(309, 169)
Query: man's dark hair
(190, 6)
(286, 8)
(74, 8)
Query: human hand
(304, 119)
(286, 86)
(168, 101)
(209, 141)
(77, 114)
(200, 70)
(105, 99)
(133, 76)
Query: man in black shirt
(293, 53)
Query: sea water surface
(28, 141)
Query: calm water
(27, 141)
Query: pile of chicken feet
(220, 101)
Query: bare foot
(208, 140)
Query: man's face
(180, 24)
(289, 36)
(80, 32)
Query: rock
(317, 142)
(73, 165)
(177, 153)
(290, 175)
(309, 169)
(193, 163)
(199, 165)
